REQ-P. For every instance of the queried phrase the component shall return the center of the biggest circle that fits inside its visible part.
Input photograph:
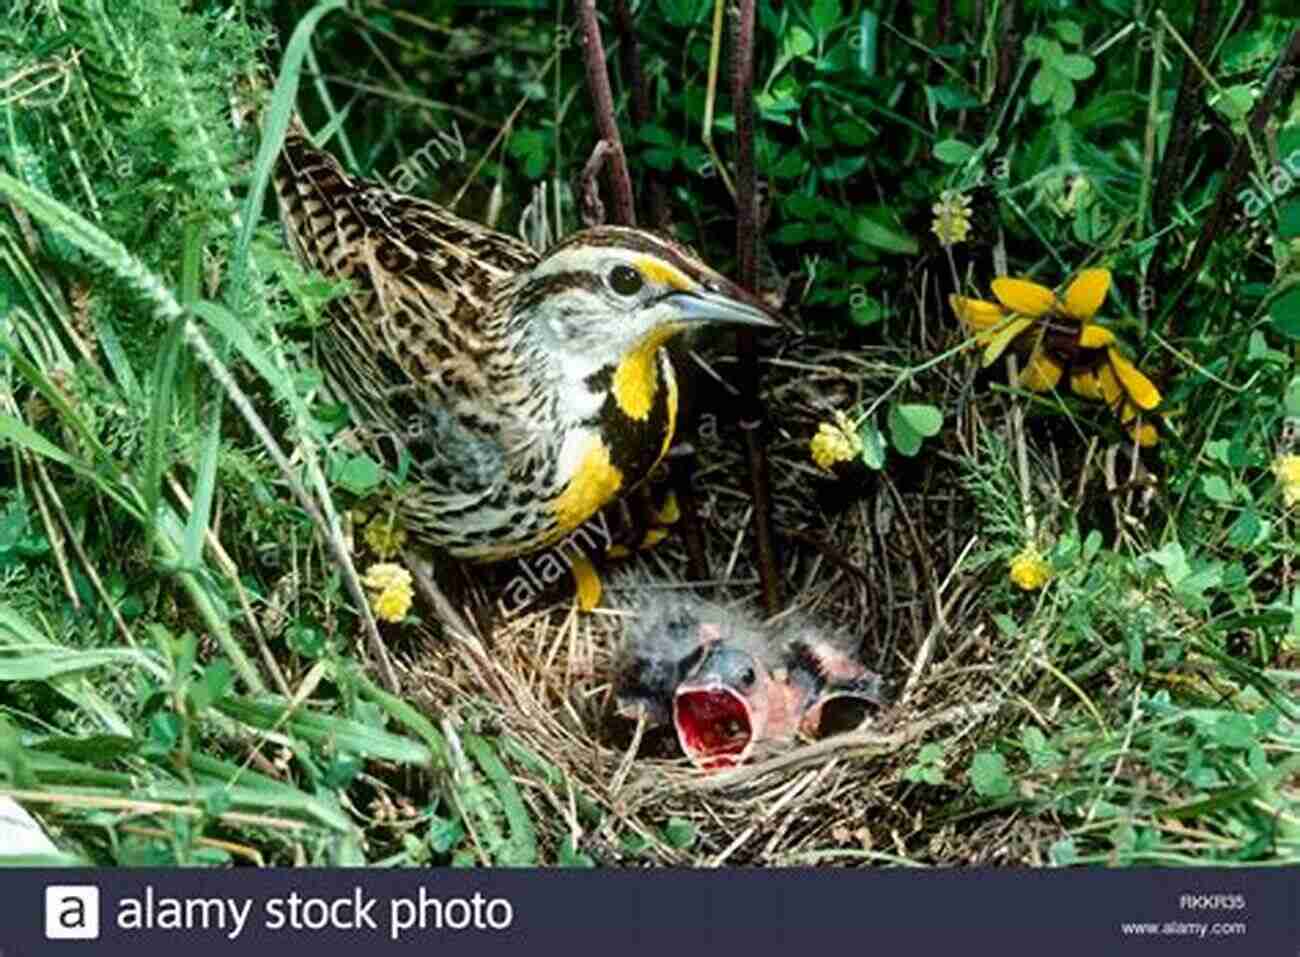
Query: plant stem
(602, 100)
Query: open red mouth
(713, 726)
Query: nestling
(732, 686)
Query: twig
(639, 106)
(87, 565)
(1184, 116)
(711, 97)
(593, 210)
(682, 478)
(602, 100)
(1186, 112)
(328, 529)
(752, 422)
(1280, 84)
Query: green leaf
(842, 168)
(1043, 87)
(788, 166)
(650, 133)
(1234, 731)
(852, 133)
(1075, 65)
(1063, 97)
(925, 420)
(825, 15)
(571, 857)
(1288, 220)
(865, 310)
(204, 489)
(873, 446)
(798, 42)
(1293, 398)
(1091, 545)
(988, 775)
(1063, 852)
(1236, 101)
(358, 474)
(792, 234)
(871, 231)
(1216, 488)
(1285, 313)
(905, 438)
(679, 833)
(953, 152)
(216, 681)
(1069, 31)
(682, 13)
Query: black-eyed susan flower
(1029, 570)
(834, 442)
(390, 590)
(1064, 322)
(1067, 340)
(951, 217)
(1287, 470)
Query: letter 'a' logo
(71, 912)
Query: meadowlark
(524, 390)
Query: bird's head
(608, 296)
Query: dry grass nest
(878, 553)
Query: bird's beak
(705, 305)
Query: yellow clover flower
(1029, 570)
(1287, 470)
(951, 217)
(384, 536)
(390, 587)
(835, 442)
(391, 604)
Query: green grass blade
(273, 129)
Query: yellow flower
(391, 604)
(384, 536)
(1068, 339)
(1082, 299)
(390, 586)
(384, 575)
(1287, 470)
(951, 217)
(1029, 570)
(835, 442)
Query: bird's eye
(747, 677)
(625, 280)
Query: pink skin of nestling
(733, 703)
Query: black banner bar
(627, 913)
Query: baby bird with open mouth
(732, 686)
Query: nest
(874, 552)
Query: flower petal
(1042, 373)
(996, 343)
(1111, 390)
(1095, 337)
(976, 313)
(1023, 296)
(1086, 294)
(1144, 433)
(1084, 384)
(1139, 388)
